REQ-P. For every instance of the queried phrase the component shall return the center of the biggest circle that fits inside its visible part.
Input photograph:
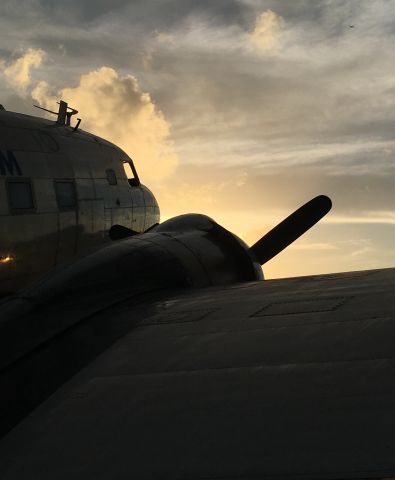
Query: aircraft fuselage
(61, 190)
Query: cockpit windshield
(131, 173)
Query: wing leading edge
(279, 379)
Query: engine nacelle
(186, 251)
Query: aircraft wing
(290, 378)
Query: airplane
(61, 190)
(166, 355)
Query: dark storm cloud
(102, 32)
(141, 14)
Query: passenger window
(65, 194)
(131, 173)
(111, 177)
(20, 196)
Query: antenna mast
(64, 114)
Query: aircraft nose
(151, 208)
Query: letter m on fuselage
(9, 164)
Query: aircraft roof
(20, 120)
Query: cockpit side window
(20, 196)
(65, 194)
(131, 173)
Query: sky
(239, 109)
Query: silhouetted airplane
(164, 354)
(61, 190)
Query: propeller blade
(291, 228)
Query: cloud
(314, 246)
(18, 73)
(111, 105)
(115, 107)
(266, 33)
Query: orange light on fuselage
(6, 258)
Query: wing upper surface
(286, 378)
